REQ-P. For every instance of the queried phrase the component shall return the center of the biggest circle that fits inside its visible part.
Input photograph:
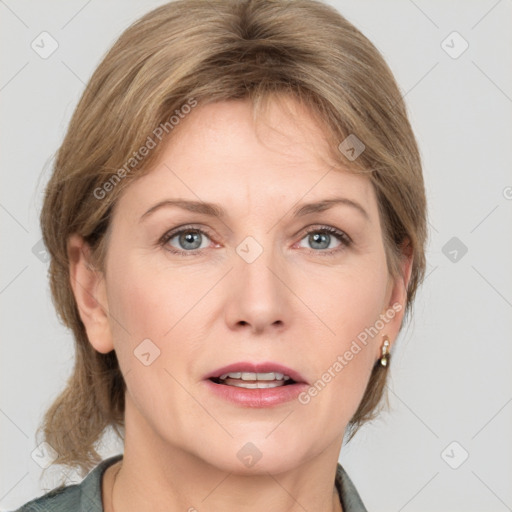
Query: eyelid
(329, 229)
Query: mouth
(251, 375)
(256, 385)
(253, 380)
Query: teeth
(255, 376)
(235, 375)
(256, 385)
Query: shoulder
(350, 499)
(82, 497)
(60, 499)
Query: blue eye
(320, 239)
(190, 241)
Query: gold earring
(385, 352)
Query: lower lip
(259, 397)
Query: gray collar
(350, 499)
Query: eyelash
(340, 235)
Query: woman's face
(250, 286)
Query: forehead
(220, 154)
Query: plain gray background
(451, 385)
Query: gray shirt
(86, 496)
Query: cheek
(355, 301)
(136, 306)
(144, 300)
(143, 309)
(138, 315)
(350, 299)
(148, 302)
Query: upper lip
(252, 367)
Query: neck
(157, 476)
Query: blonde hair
(206, 51)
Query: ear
(89, 289)
(397, 296)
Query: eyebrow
(215, 210)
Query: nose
(258, 299)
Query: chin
(253, 455)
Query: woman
(236, 223)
